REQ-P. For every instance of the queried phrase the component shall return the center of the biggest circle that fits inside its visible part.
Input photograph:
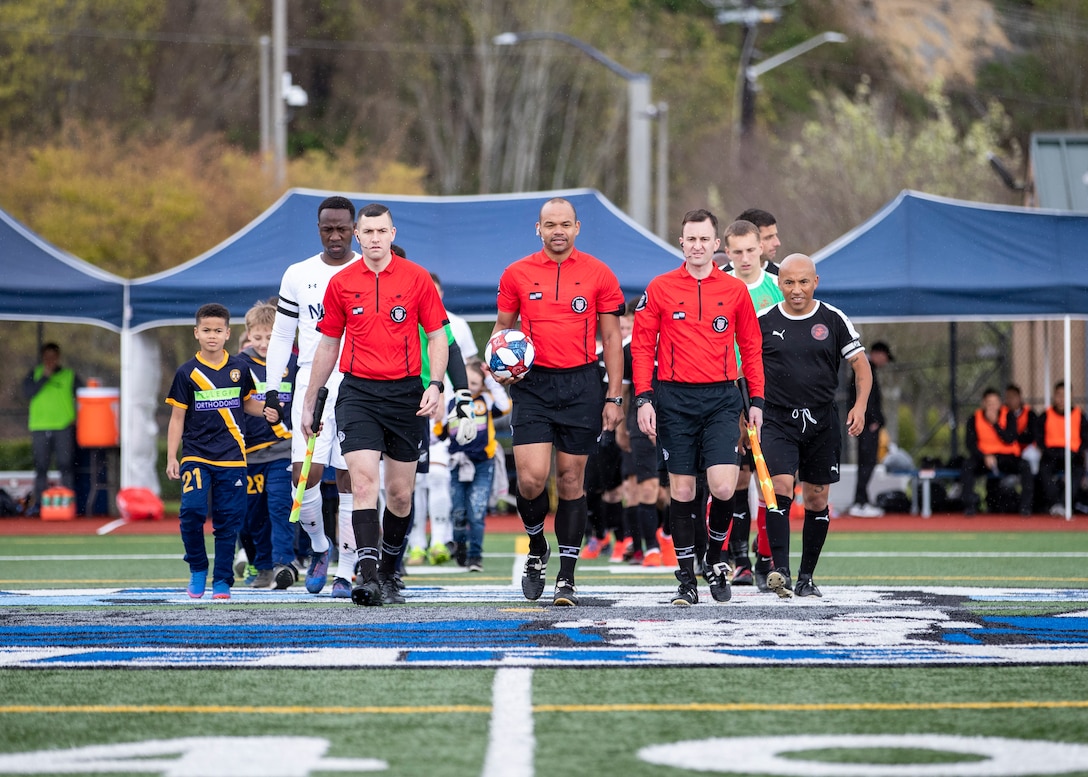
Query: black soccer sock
(368, 533)
(612, 513)
(570, 525)
(533, 512)
(596, 525)
(742, 527)
(813, 536)
(778, 532)
(632, 528)
(395, 529)
(682, 518)
(647, 520)
(721, 514)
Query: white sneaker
(865, 511)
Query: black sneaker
(805, 587)
(390, 590)
(688, 592)
(532, 579)
(368, 594)
(760, 572)
(717, 577)
(566, 595)
(398, 580)
(743, 576)
(780, 582)
(285, 576)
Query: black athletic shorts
(805, 440)
(380, 415)
(697, 425)
(423, 464)
(604, 470)
(641, 460)
(562, 407)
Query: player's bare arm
(506, 320)
(612, 342)
(173, 441)
(863, 376)
(438, 351)
(328, 351)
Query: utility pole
(279, 107)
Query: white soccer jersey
(301, 304)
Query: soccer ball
(509, 353)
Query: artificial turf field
(931, 653)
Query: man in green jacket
(51, 390)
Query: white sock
(349, 554)
(438, 491)
(313, 523)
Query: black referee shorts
(562, 407)
(641, 460)
(697, 425)
(380, 415)
(805, 440)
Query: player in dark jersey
(377, 306)
(804, 341)
(690, 321)
(208, 395)
(562, 296)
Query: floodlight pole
(639, 115)
(279, 107)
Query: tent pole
(1068, 377)
(954, 414)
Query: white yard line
(511, 747)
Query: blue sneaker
(319, 571)
(198, 581)
(220, 589)
(341, 588)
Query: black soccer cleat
(760, 571)
(390, 590)
(532, 579)
(805, 587)
(566, 595)
(780, 582)
(688, 592)
(743, 576)
(717, 577)
(367, 594)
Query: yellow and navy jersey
(258, 432)
(212, 396)
(490, 404)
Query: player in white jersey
(300, 306)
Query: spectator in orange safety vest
(1050, 436)
(992, 448)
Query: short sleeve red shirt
(381, 314)
(559, 302)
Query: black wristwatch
(644, 399)
(615, 400)
(440, 384)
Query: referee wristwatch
(440, 384)
(615, 400)
(644, 399)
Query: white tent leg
(140, 395)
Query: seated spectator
(1050, 436)
(992, 448)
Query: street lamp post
(639, 115)
(753, 72)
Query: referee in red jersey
(688, 321)
(562, 296)
(377, 307)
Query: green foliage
(15, 454)
(859, 155)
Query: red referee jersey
(558, 303)
(689, 325)
(381, 313)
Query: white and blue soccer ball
(509, 353)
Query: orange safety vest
(988, 439)
(1022, 420)
(1054, 432)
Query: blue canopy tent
(467, 241)
(926, 257)
(43, 283)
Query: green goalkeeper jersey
(764, 292)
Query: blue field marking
(621, 626)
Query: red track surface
(950, 522)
